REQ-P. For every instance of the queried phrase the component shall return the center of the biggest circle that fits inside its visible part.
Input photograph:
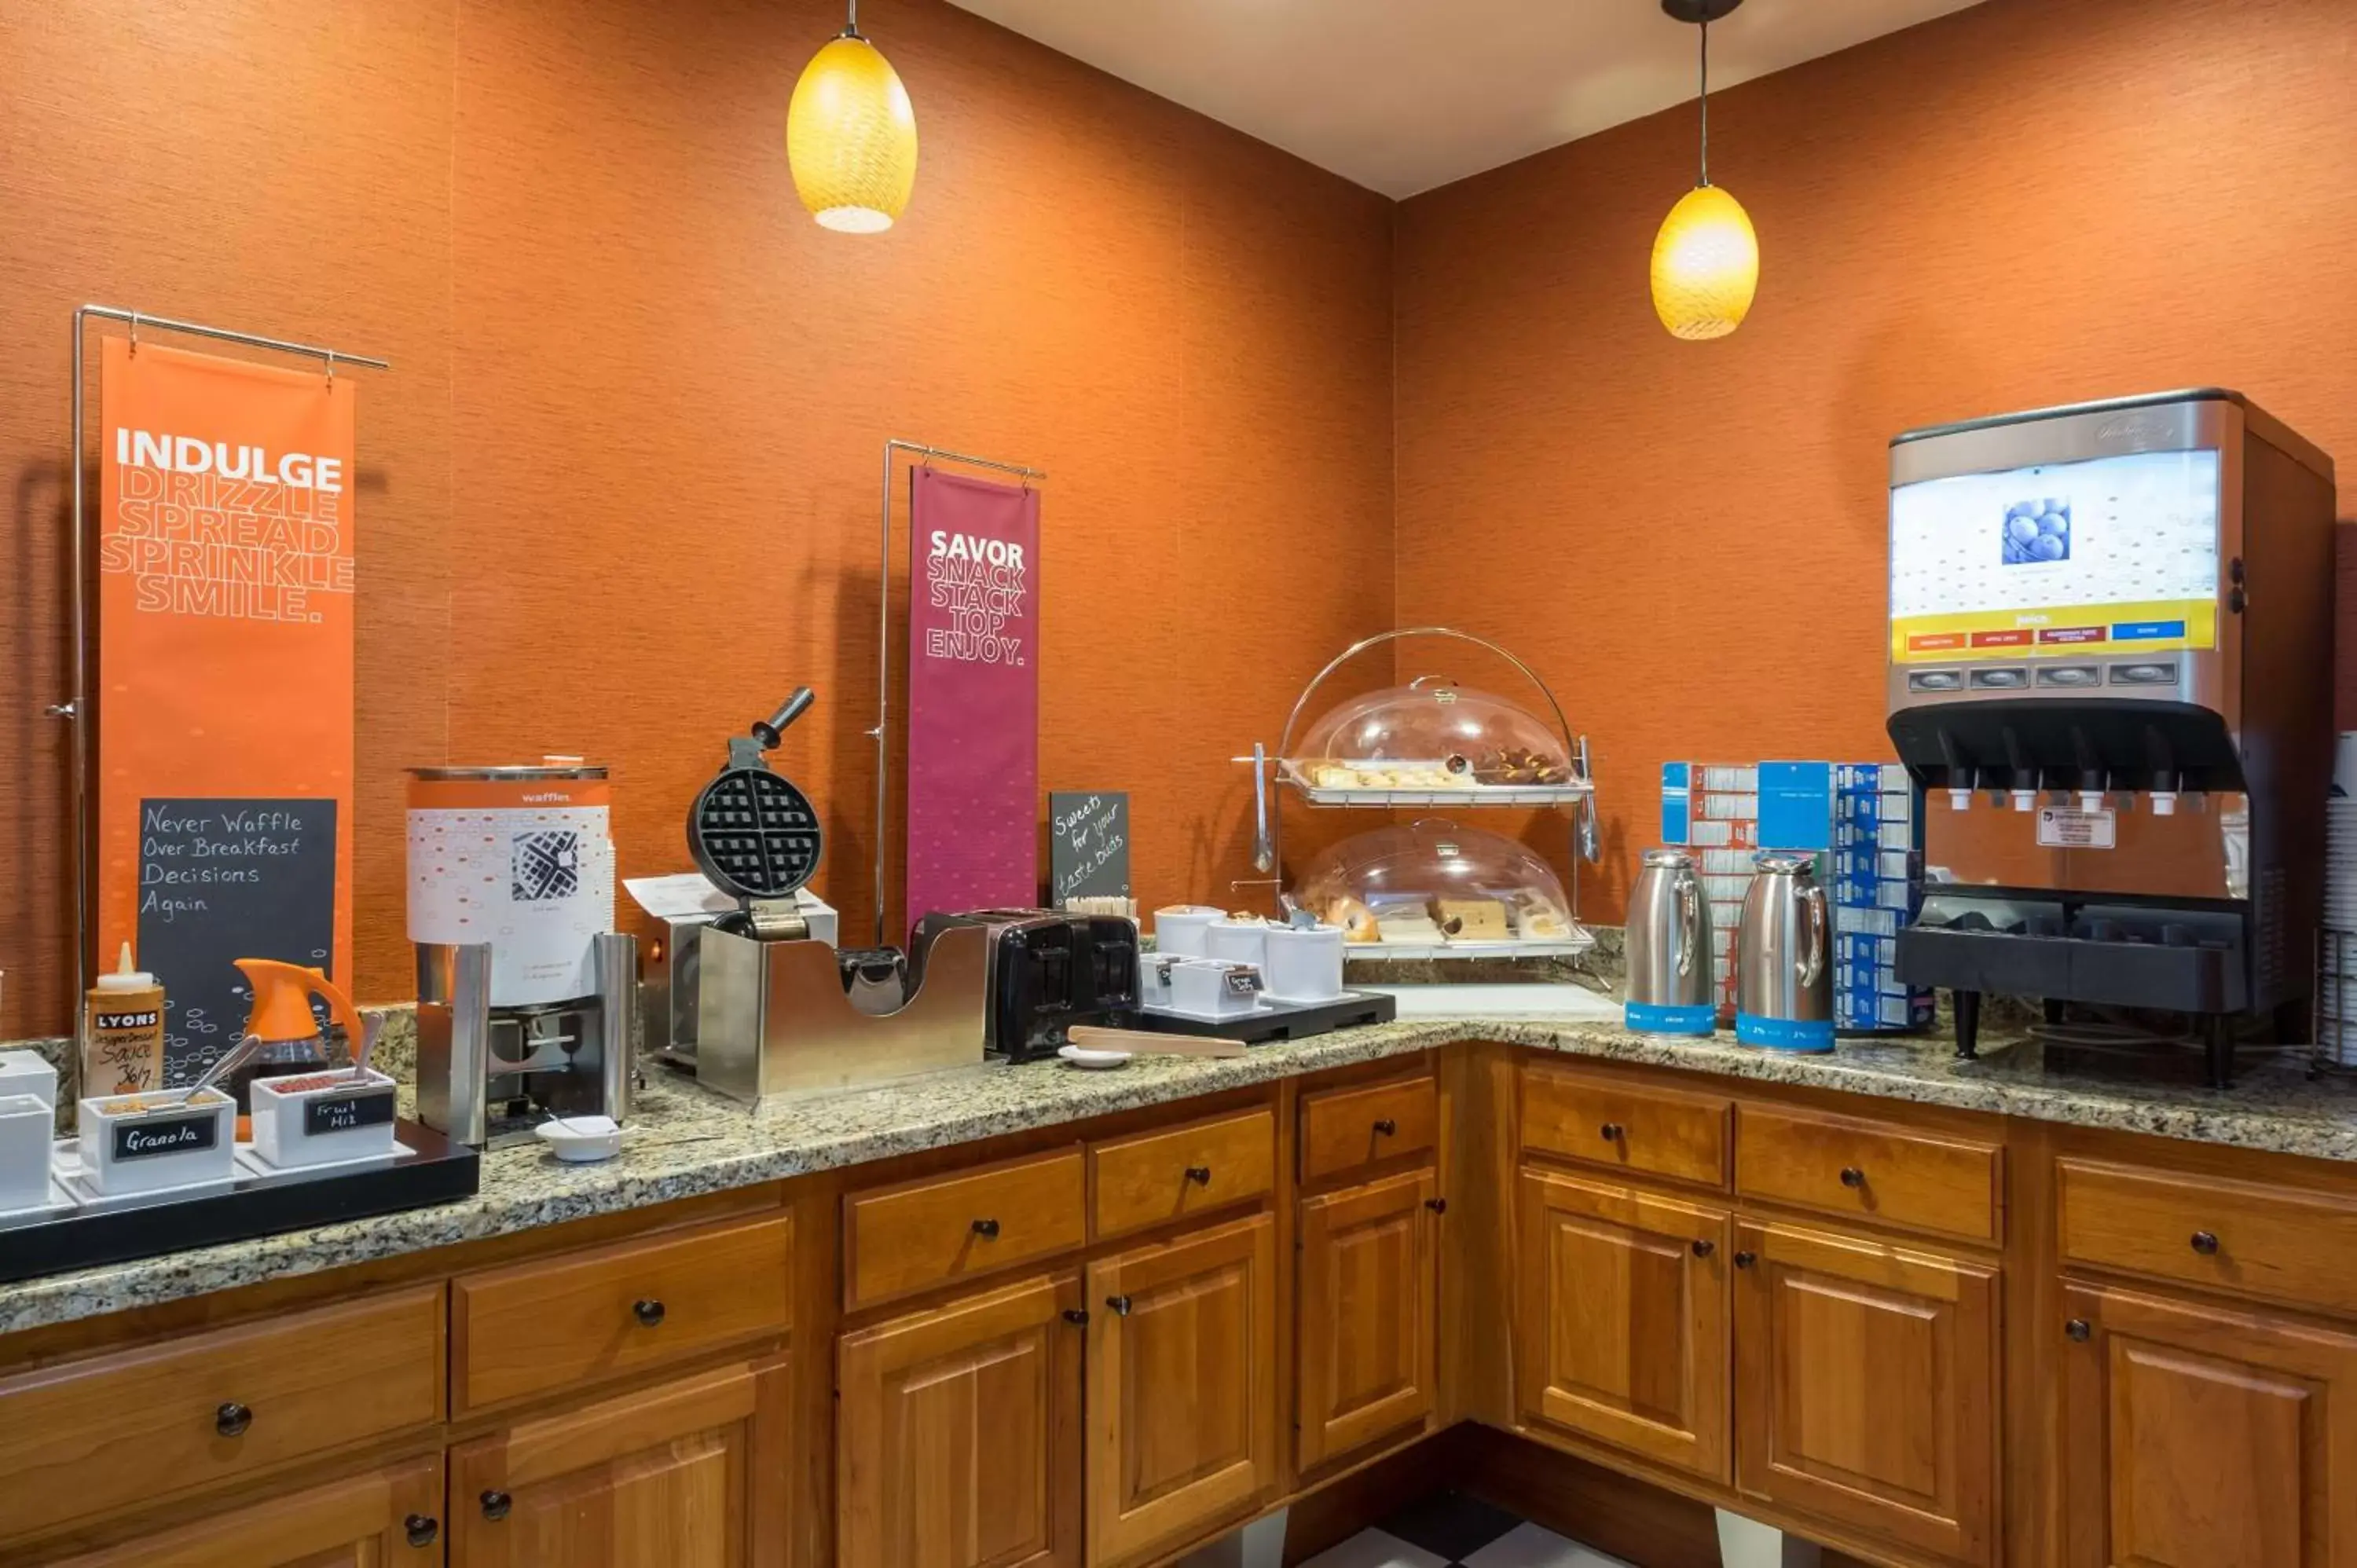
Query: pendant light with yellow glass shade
(1706, 258)
(851, 136)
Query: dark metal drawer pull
(496, 1505)
(649, 1312)
(1852, 1177)
(420, 1528)
(1119, 1304)
(1386, 1126)
(986, 1228)
(231, 1420)
(1200, 1174)
(2206, 1243)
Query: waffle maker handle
(767, 731)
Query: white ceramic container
(1178, 929)
(27, 1072)
(1304, 963)
(137, 1142)
(26, 1127)
(311, 1119)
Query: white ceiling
(1404, 95)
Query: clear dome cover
(1430, 734)
(1436, 883)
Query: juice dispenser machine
(2110, 669)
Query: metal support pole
(881, 733)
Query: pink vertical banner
(973, 695)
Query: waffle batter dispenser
(781, 1013)
(2110, 669)
(527, 999)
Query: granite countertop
(683, 1140)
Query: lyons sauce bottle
(123, 1032)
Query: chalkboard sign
(167, 1135)
(345, 1112)
(222, 880)
(1088, 846)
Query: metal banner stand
(881, 733)
(76, 707)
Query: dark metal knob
(496, 1505)
(1853, 1177)
(986, 1228)
(1386, 1126)
(1704, 1248)
(1076, 1314)
(1612, 1131)
(2206, 1243)
(231, 1420)
(420, 1528)
(1200, 1174)
(1438, 1205)
(649, 1312)
(1745, 1260)
(2078, 1329)
(1119, 1304)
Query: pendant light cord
(1705, 97)
(851, 22)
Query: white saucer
(581, 1140)
(1094, 1062)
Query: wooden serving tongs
(1152, 1043)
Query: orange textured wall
(619, 492)
(2021, 204)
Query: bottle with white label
(123, 1032)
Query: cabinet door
(958, 1434)
(1866, 1386)
(1368, 1289)
(2198, 1435)
(1181, 1388)
(390, 1518)
(1621, 1322)
(663, 1479)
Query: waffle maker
(755, 835)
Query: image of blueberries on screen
(2038, 530)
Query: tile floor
(1449, 1530)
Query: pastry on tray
(1474, 919)
(1515, 766)
(1358, 921)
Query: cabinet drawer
(942, 1229)
(1343, 1129)
(1160, 1177)
(1869, 1170)
(93, 1436)
(1653, 1132)
(561, 1322)
(2221, 1235)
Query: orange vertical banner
(224, 678)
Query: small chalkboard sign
(167, 1135)
(345, 1113)
(1088, 846)
(222, 880)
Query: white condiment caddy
(144, 1142)
(323, 1118)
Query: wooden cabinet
(1621, 1320)
(1181, 1390)
(1866, 1386)
(941, 1230)
(2205, 1434)
(1346, 1130)
(1870, 1170)
(1367, 1288)
(388, 1517)
(690, 1473)
(958, 1434)
(98, 1434)
(1158, 1177)
(558, 1323)
(1637, 1130)
(2274, 1242)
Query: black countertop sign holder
(250, 1206)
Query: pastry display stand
(1576, 796)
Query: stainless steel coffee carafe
(1670, 989)
(1783, 970)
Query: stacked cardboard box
(1863, 821)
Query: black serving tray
(437, 1171)
(1281, 1022)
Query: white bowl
(1237, 941)
(137, 1142)
(582, 1140)
(316, 1118)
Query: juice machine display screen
(2109, 556)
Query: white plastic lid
(124, 977)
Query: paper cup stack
(2336, 979)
